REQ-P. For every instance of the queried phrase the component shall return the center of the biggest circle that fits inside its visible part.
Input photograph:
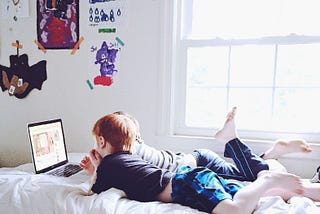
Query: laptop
(49, 153)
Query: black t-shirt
(129, 172)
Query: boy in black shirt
(199, 188)
(166, 159)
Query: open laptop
(49, 153)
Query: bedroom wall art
(107, 16)
(106, 13)
(58, 23)
(20, 78)
(14, 9)
(102, 61)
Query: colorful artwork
(58, 23)
(106, 13)
(105, 56)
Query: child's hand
(87, 165)
(95, 158)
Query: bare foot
(282, 147)
(228, 131)
(312, 191)
(281, 180)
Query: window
(261, 56)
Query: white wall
(65, 94)
(138, 89)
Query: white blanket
(24, 192)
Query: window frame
(174, 82)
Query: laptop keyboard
(66, 170)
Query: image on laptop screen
(47, 143)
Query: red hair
(118, 130)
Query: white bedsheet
(24, 192)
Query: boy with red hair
(116, 166)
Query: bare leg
(282, 147)
(309, 190)
(228, 131)
(312, 191)
(254, 191)
(247, 164)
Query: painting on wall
(58, 23)
(103, 59)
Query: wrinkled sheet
(22, 192)
(25, 192)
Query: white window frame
(173, 83)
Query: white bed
(21, 191)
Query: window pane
(254, 107)
(298, 65)
(207, 66)
(261, 56)
(234, 19)
(252, 65)
(205, 107)
(297, 110)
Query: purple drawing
(58, 23)
(106, 57)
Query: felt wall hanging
(58, 23)
(20, 78)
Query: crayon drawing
(103, 59)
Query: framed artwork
(58, 23)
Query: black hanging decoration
(20, 78)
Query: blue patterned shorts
(201, 188)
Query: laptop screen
(47, 145)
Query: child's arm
(93, 181)
(95, 159)
(87, 165)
